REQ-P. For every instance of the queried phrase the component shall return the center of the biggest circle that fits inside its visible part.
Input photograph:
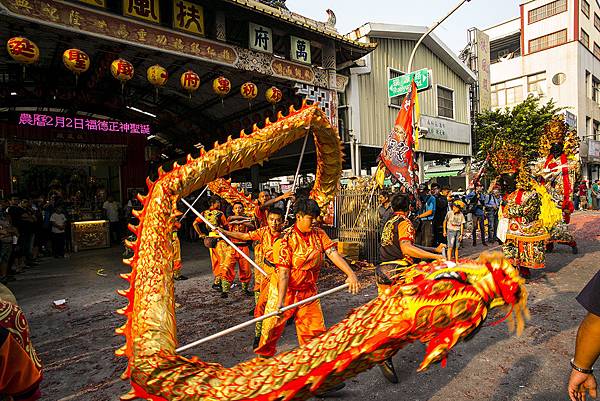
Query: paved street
(77, 344)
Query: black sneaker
(329, 392)
(181, 278)
(256, 343)
(224, 295)
(217, 287)
(388, 371)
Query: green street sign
(400, 85)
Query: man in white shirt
(111, 209)
(58, 221)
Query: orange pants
(228, 265)
(308, 319)
(217, 258)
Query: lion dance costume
(436, 304)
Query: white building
(553, 49)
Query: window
(597, 21)
(588, 79)
(585, 38)
(548, 10)
(588, 128)
(596, 50)
(507, 93)
(548, 41)
(393, 73)
(445, 99)
(536, 84)
(596, 131)
(595, 90)
(585, 8)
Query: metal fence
(357, 220)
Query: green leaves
(522, 125)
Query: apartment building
(552, 49)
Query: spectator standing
(58, 221)
(491, 206)
(441, 208)
(27, 232)
(582, 192)
(595, 195)
(111, 209)
(7, 232)
(590, 197)
(475, 200)
(454, 226)
(425, 217)
(15, 213)
(576, 196)
(384, 211)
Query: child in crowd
(454, 228)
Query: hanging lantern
(157, 76)
(190, 81)
(122, 70)
(221, 86)
(249, 91)
(273, 95)
(23, 51)
(76, 61)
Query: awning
(451, 173)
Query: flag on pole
(397, 154)
(417, 115)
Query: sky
(351, 14)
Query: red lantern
(122, 70)
(221, 86)
(23, 50)
(249, 90)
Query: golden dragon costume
(433, 303)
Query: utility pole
(421, 160)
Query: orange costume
(20, 368)
(261, 216)
(302, 254)
(217, 219)
(231, 257)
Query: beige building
(370, 113)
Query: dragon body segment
(433, 303)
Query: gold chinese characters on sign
(188, 17)
(97, 3)
(147, 10)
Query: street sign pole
(421, 162)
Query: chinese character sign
(76, 60)
(190, 81)
(300, 50)
(97, 3)
(121, 69)
(261, 38)
(188, 16)
(221, 86)
(157, 75)
(273, 95)
(23, 50)
(249, 90)
(82, 124)
(147, 10)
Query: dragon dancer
(397, 252)
(264, 203)
(237, 223)
(215, 216)
(263, 255)
(298, 258)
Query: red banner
(398, 149)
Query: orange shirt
(238, 228)
(267, 241)
(303, 254)
(261, 216)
